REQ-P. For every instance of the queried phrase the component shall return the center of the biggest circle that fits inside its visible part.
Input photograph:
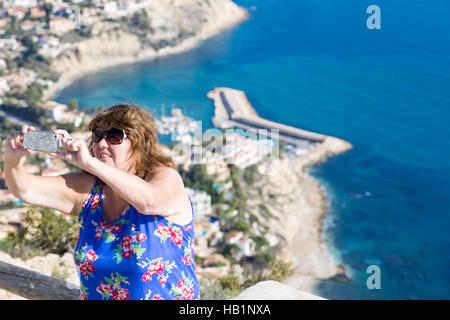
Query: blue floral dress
(135, 257)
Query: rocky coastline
(299, 204)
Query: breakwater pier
(232, 109)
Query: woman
(136, 236)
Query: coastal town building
(37, 12)
(61, 25)
(4, 87)
(207, 235)
(51, 46)
(9, 44)
(17, 11)
(20, 3)
(4, 22)
(216, 166)
(242, 241)
(243, 152)
(22, 78)
(201, 203)
(28, 25)
(182, 129)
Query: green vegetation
(265, 211)
(73, 104)
(140, 20)
(139, 24)
(33, 114)
(219, 289)
(31, 47)
(7, 127)
(249, 174)
(230, 286)
(48, 12)
(43, 232)
(198, 178)
(276, 271)
(33, 94)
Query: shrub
(43, 232)
(230, 286)
(250, 173)
(276, 271)
(219, 289)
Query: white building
(60, 25)
(23, 78)
(50, 46)
(3, 86)
(9, 44)
(20, 3)
(201, 202)
(244, 243)
(28, 25)
(243, 151)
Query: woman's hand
(14, 150)
(77, 153)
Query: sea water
(315, 65)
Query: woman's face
(115, 155)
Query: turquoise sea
(315, 65)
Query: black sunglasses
(112, 136)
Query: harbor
(233, 110)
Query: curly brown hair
(140, 128)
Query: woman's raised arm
(64, 193)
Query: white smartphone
(41, 141)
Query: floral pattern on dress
(107, 230)
(84, 262)
(171, 232)
(157, 267)
(148, 296)
(130, 244)
(138, 256)
(188, 255)
(183, 290)
(112, 288)
(84, 292)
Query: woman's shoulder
(178, 198)
(162, 171)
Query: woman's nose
(102, 143)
